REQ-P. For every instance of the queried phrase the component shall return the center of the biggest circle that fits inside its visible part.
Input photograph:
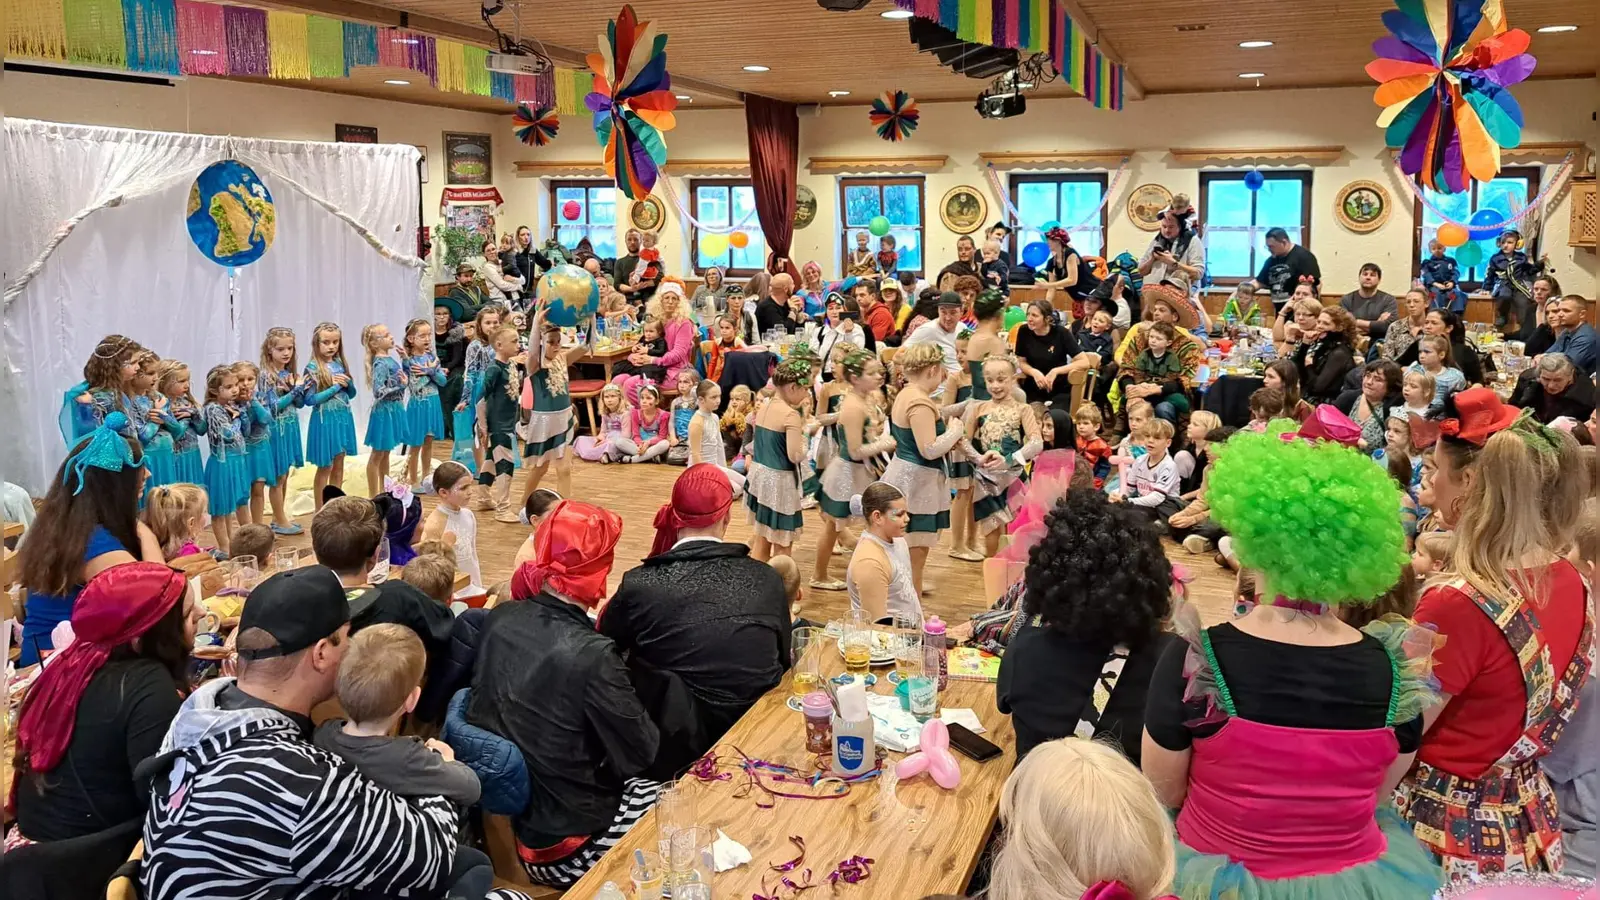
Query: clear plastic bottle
(934, 663)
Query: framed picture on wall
(647, 214)
(963, 209)
(467, 159)
(1362, 206)
(805, 206)
(354, 134)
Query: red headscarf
(115, 607)
(700, 498)
(572, 553)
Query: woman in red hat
(1519, 641)
(102, 705)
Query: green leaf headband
(105, 448)
(1539, 438)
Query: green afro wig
(1320, 521)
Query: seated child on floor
(433, 574)
(176, 514)
(1431, 554)
(613, 424)
(734, 419)
(257, 541)
(1193, 524)
(1129, 449)
(1266, 404)
(1153, 478)
(1419, 390)
(1093, 451)
(1155, 365)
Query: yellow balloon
(714, 244)
(1452, 235)
(739, 240)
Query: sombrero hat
(1188, 317)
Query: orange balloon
(739, 240)
(1452, 235)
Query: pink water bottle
(933, 651)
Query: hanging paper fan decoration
(632, 102)
(536, 126)
(1444, 77)
(894, 115)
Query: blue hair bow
(105, 448)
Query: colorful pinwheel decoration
(894, 115)
(1444, 77)
(535, 126)
(632, 102)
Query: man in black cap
(941, 331)
(243, 804)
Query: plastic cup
(647, 876)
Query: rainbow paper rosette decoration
(632, 102)
(894, 115)
(1444, 75)
(535, 126)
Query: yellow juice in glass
(857, 657)
(804, 683)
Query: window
(1507, 194)
(721, 203)
(1235, 219)
(596, 219)
(1068, 199)
(897, 199)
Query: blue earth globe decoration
(230, 216)
(568, 295)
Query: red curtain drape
(773, 127)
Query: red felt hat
(1480, 414)
(1326, 423)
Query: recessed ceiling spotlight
(1252, 74)
(684, 97)
(838, 93)
(896, 14)
(1254, 45)
(757, 69)
(397, 81)
(1557, 29)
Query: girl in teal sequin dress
(332, 433)
(227, 473)
(386, 425)
(182, 421)
(424, 412)
(283, 393)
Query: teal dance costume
(827, 448)
(989, 507)
(227, 473)
(160, 460)
(545, 434)
(283, 397)
(424, 414)
(186, 432)
(479, 357)
(257, 426)
(922, 478)
(333, 429)
(772, 487)
(79, 418)
(386, 426)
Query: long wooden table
(925, 840)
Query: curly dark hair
(1099, 572)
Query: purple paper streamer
(247, 41)
(423, 56)
(997, 27)
(545, 89)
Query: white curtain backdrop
(93, 242)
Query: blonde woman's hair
(167, 511)
(279, 333)
(918, 357)
(324, 371)
(1076, 813)
(1207, 419)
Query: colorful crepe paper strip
(476, 60)
(503, 86)
(325, 47)
(452, 66)
(202, 39)
(288, 45)
(95, 34)
(895, 115)
(632, 102)
(360, 44)
(38, 29)
(535, 127)
(246, 30)
(1445, 73)
(150, 29)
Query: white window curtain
(93, 242)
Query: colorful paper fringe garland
(535, 127)
(632, 102)
(1444, 75)
(894, 115)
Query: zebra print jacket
(243, 806)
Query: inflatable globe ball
(568, 295)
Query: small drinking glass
(805, 671)
(689, 864)
(857, 644)
(675, 810)
(907, 642)
(647, 875)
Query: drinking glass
(857, 644)
(689, 863)
(647, 876)
(675, 810)
(805, 673)
(907, 646)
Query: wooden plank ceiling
(1170, 46)
(1177, 46)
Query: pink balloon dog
(934, 758)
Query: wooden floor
(636, 491)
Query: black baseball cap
(298, 608)
(949, 298)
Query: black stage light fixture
(1001, 106)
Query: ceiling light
(757, 69)
(1252, 74)
(1254, 45)
(1557, 29)
(896, 14)
(838, 93)
(397, 81)
(684, 97)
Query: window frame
(1014, 239)
(1535, 176)
(1304, 176)
(880, 182)
(695, 184)
(586, 185)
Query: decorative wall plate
(963, 209)
(805, 206)
(647, 214)
(1362, 206)
(1145, 204)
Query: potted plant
(459, 242)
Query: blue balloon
(1035, 254)
(231, 218)
(1486, 224)
(1253, 179)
